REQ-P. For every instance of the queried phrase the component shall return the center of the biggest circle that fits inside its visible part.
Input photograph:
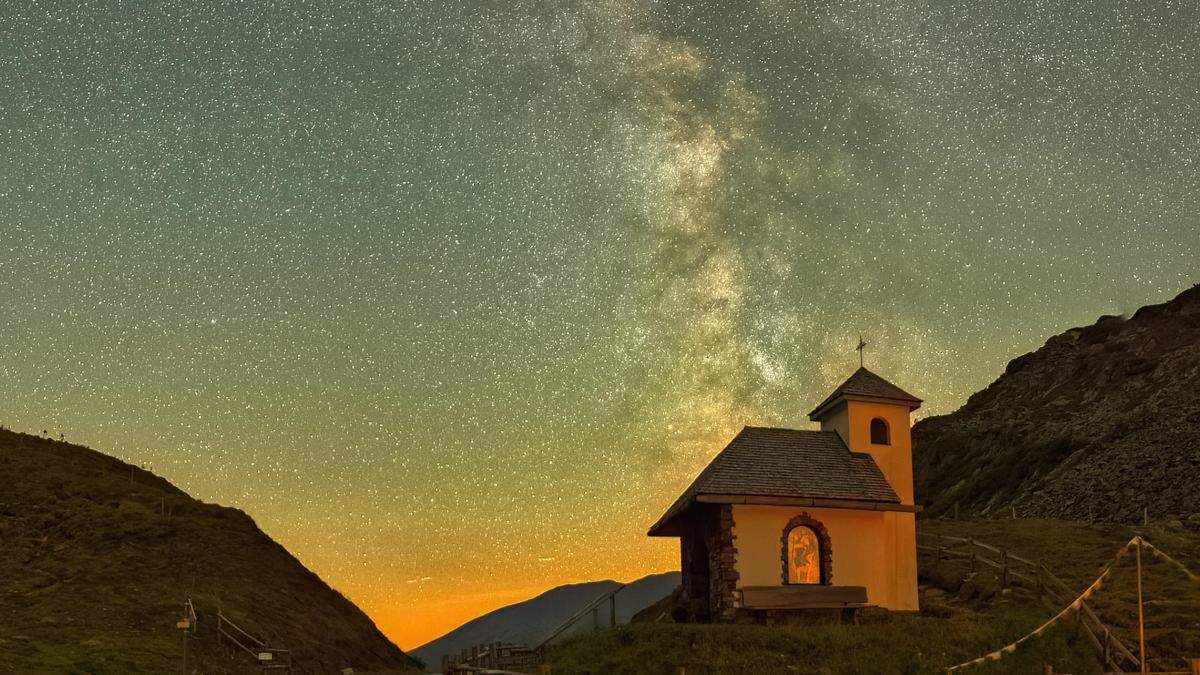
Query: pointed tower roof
(864, 385)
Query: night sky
(455, 298)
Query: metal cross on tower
(861, 346)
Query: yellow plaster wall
(838, 421)
(904, 572)
(894, 460)
(870, 548)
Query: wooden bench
(804, 597)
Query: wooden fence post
(1107, 647)
(596, 618)
(1141, 620)
(612, 610)
(1003, 568)
(1194, 665)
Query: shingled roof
(788, 463)
(864, 383)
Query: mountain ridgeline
(97, 558)
(1098, 424)
(531, 621)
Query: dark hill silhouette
(97, 558)
(1097, 424)
(533, 620)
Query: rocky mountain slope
(97, 558)
(1099, 423)
(533, 620)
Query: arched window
(879, 432)
(806, 554)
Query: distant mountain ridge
(531, 621)
(1099, 423)
(97, 558)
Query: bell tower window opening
(879, 432)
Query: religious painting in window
(804, 556)
(879, 432)
(806, 553)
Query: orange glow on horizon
(413, 614)
(411, 626)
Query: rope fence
(1176, 563)
(1074, 605)
(1114, 653)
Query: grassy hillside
(1076, 551)
(961, 619)
(98, 558)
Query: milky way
(455, 298)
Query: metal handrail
(578, 615)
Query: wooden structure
(1011, 568)
(1115, 656)
(494, 657)
(270, 658)
(803, 597)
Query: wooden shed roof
(785, 464)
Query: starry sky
(455, 297)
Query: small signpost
(187, 624)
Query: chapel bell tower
(872, 416)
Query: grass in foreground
(911, 644)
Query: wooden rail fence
(592, 608)
(499, 658)
(269, 658)
(1114, 654)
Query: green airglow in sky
(454, 298)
